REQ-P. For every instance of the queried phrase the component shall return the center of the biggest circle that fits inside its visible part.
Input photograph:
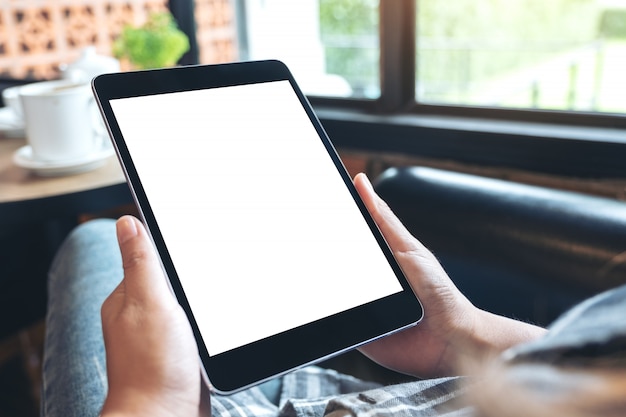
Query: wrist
(491, 334)
(501, 333)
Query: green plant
(156, 44)
(613, 23)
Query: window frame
(398, 68)
(589, 145)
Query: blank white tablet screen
(262, 231)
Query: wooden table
(27, 197)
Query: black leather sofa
(524, 251)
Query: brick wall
(36, 36)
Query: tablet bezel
(261, 360)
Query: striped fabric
(317, 392)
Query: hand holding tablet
(265, 241)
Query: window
(528, 84)
(519, 54)
(557, 54)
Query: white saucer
(24, 158)
(10, 124)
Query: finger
(143, 276)
(398, 237)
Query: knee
(100, 232)
(90, 243)
(94, 229)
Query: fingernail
(126, 229)
(367, 182)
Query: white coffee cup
(61, 120)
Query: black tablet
(265, 241)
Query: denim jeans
(86, 269)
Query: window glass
(556, 54)
(331, 46)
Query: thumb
(398, 237)
(144, 279)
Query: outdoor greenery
(519, 53)
(465, 43)
(613, 23)
(349, 31)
